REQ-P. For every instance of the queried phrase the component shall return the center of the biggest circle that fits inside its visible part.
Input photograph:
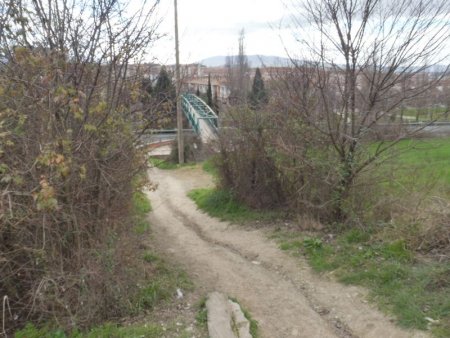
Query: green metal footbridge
(200, 116)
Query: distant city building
(195, 79)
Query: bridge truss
(200, 116)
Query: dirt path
(281, 293)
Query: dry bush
(67, 159)
(308, 169)
(246, 163)
(436, 239)
(433, 236)
(277, 159)
(422, 222)
(66, 189)
(273, 160)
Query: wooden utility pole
(178, 91)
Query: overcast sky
(211, 27)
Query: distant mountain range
(278, 61)
(254, 61)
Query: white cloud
(211, 27)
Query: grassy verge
(166, 164)
(416, 293)
(419, 164)
(105, 331)
(221, 204)
(425, 114)
(202, 313)
(141, 207)
(109, 330)
(162, 285)
(427, 159)
(210, 167)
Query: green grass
(165, 279)
(166, 164)
(202, 313)
(222, 204)
(210, 167)
(398, 283)
(30, 331)
(113, 330)
(423, 114)
(108, 330)
(150, 257)
(163, 284)
(417, 165)
(291, 245)
(141, 207)
(141, 203)
(254, 328)
(427, 159)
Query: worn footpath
(281, 292)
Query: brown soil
(281, 292)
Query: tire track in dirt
(340, 328)
(286, 298)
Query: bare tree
(238, 73)
(365, 59)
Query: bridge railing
(190, 114)
(197, 111)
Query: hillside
(254, 61)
